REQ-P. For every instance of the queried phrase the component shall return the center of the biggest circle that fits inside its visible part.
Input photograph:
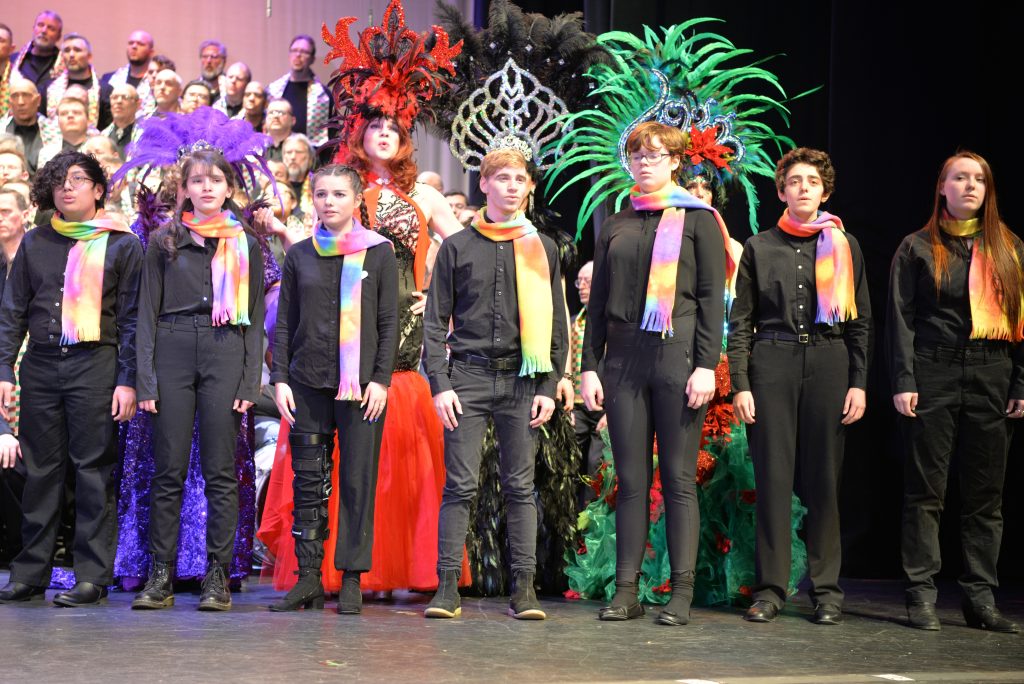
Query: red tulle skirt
(409, 485)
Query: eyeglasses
(580, 282)
(277, 112)
(123, 98)
(77, 181)
(300, 51)
(652, 158)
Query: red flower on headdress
(389, 72)
(703, 146)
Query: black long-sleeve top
(919, 316)
(622, 262)
(776, 292)
(183, 286)
(474, 286)
(34, 294)
(306, 337)
(5, 427)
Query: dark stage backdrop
(902, 91)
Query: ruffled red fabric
(410, 482)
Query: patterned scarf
(5, 89)
(57, 68)
(351, 245)
(988, 319)
(317, 106)
(533, 287)
(83, 276)
(833, 265)
(230, 267)
(376, 184)
(55, 93)
(673, 201)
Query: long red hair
(402, 166)
(998, 240)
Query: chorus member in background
(957, 364)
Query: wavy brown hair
(402, 166)
(995, 235)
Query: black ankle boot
(307, 593)
(677, 610)
(624, 605)
(350, 598)
(446, 602)
(524, 604)
(159, 589)
(215, 594)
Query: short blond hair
(501, 159)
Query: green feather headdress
(682, 79)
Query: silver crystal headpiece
(511, 110)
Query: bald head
(24, 100)
(432, 179)
(124, 104)
(167, 90)
(140, 48)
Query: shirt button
(501, 246)
(51, 337)
(53, 320)
(56, 304)
(799, 287)
(204, 299)
(798, 251)
(497, 339)
(63, 350)
(801, 306)
(801, 325)
(499, 293)
(62, 289)
(799, 266)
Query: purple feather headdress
(165, 140)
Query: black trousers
(65, 420)
(317, 415)
(591, 447)
(961, 414)
(198, 370)
(507, 398)
(799, 390)
(645, 394)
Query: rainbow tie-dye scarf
(833, 266)
(352, 246)
(533, 287)
(230, 267)
(672, 201)
(83, 276)
(988, 319)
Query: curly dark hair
(806, 155)
(354, 179)
(55, 173)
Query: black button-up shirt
(34, 295)
(183, 286)
(776, 292)
(306, 337)
(622, 263)
(919, 316)
(474, 285)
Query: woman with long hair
(200, 352)
(955, 325)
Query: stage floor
(393, 642)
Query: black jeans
(198, 369)
(507, 398)
(961, 414)
(317, 413)
(591, 447)
(799, 390)
(65, 420)
(644, 383)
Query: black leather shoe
(15, 592)
(988, 618)
(350, 598)
(82, 594)
(762, 611)
(215, 594)
(615, 613)
(921, 615)
(828, 614)
(159, 590)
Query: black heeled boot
(307, 593)
(677, 610)
(624, 605)
(350, 598)
(159, 590)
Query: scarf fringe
(659, 322)
(533, 365)
(77, 333)
(349, 391)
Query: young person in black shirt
(798, 341)
(656, 311)
(954, 345)
(334, 352)
(500, 286)
(73, 286)
(200, 353)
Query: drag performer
(798, 344)
(507, 348)
(201, 344)
(955, 321)
(378, 144)
(78, 376)
(349, 304)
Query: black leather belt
(507, 364)
(802, 338)
(188, 320)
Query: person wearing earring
(339, 291)
(798, 346)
